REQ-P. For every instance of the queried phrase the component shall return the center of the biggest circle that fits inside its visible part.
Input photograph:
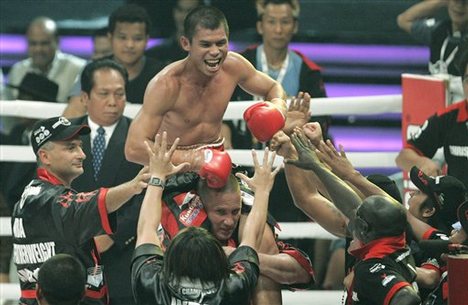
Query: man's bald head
(207, 194)
(42, 42)
(377, 217)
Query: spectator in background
(277, 23)
(129, 27)
(61, 280)
(103, 92)
(46, 59)
(447, 129)
(443, 37)
(170, 50)
(102, 46)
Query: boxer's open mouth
(212, 63)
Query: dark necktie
(99, 144)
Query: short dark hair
(195, 253)
(87, 76)
(62, 280)
(130, 13)
(294, 4)
(207, 17)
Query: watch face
(156, 182)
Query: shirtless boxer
(189, 97)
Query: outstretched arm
(261, 183)
(118, 195)
(160, 167)
(344, 198)
(342, 167)
(303, 185)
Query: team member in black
(385, 271)
(447, 129)
(194, 268)
(52, 218)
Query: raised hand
(264, 176)
(337, 161)
(298, 112)
(160, 164)
(307, 157)
(281, 143)
(313, 131)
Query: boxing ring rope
(365, 105)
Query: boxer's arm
(258, 83)
(157, 101)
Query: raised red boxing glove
(216, 168)
(264, 120)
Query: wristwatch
(157, 182)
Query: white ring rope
(23, 153)
(359, 105)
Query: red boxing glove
(216, 168)
(264, 120)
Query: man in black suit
(103, 93)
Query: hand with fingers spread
(264, 175)
(337, 161)
(261, 183)
(298, 112)
(160, 164)
(313, 131)
(281, 143)
(308, 158)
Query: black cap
(55, 129)
(38, 86)
(446, 192)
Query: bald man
(46, 59)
